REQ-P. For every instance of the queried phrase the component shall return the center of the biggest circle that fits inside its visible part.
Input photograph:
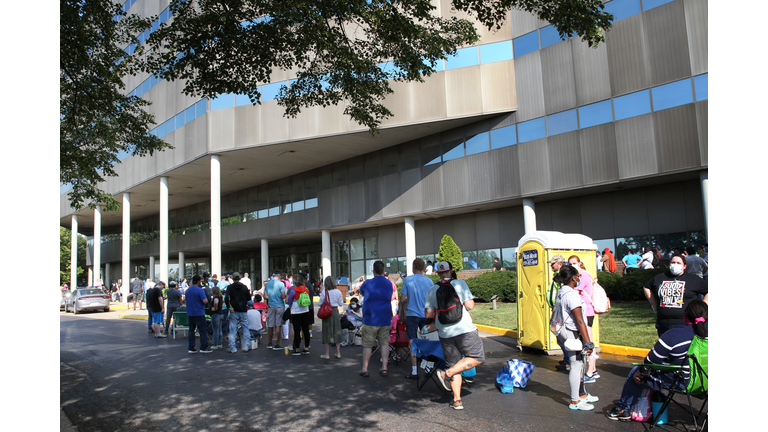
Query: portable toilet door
(535, 277)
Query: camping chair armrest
(661, 368)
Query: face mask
(676, 269)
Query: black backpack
(655, 261)
(449, 308)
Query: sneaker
(269, 346)
(231, 351)
(457, 405)
(445, 380)
(297, 353)
(215, 347)
(325, 356)
(305, 352)
(193, 351)
(596, 375)
(277, 348)
(582, 405)
(616, 414)
(245, 351)
(206, 351)
(591, 399)
(588, 379)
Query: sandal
(383, 373)
(338, 356)
(325, 357)
(365, 374)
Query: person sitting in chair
(670, 349)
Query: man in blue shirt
(377, 316)
(275, 293)
(196, 301)
(631, 261)
(412, 297)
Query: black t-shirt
(672, 294)
(154, 297)
(497, 265)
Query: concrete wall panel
(677, 140)
(636, 147)
(529, 86)
(534, 167)
(565, 163)
(667, 39)
(697, 20)
(598, 154)
(591, 72)
(558, 77)
(627, 56)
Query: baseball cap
(557, 258)
(442, 266)
(250, 303)
(172, 284)
(606, 250)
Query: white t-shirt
(246, 281)
(569, 299)
(254, 320)
(647, 260)
(334, 296)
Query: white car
(85, 299)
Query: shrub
(488, 284)
(628, 287)
(449, 251)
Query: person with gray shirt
(695, 264)
(174, 302)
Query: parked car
(85, 299)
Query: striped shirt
(671, 347)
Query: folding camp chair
(398, 340)
(696, 361)
(180, 321)
(426, 352)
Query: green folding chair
(180, 321)
(697, 360)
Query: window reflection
(701, 83)
(632, 105)
(532, 129)
(503, 137)
(672, 94)
(526, 44)
(495, 52)
(595, 114)
(464, 57)
(562, 122)
(478, 143)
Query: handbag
(520, 371)
(326, 310)
(641, 410)
(287, 314)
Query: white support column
(73, 256)
(326, 255)
(164, 229)
(126, 265)
(264, 260)
(90, 276)
(529, 215)
(704, 180)
(410, 244)
(152, 268)
(97, 244)
(215, 215)
(182, 267)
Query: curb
(604, 348)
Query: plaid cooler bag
(519, 371)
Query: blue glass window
(563, 122)
(161, 130)
(478, 143)
(152, 81)
(496, 52)
(140, 38)
(438, 64)
(189, 114)
(622, 8)
(672, 94)
(241, 99)
(164, 15)
(632, 105)
(270, 91)
(223, 101)
(532, 129)
(145, 86)
(526, 44)
(390, 69)
(650, 4)
(464, 57)
(155, 23)
(549, 36)
(453, 150)
(180, 120)
(201, 107)
(595, 114)
(701, 83)
(503, 137)
(310, 203)
(170, 125)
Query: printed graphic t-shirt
(672, 295)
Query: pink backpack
(600, 301)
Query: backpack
(655, 261)
(304, 299)
(600, 301)
(449, 308)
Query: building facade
(522, 131)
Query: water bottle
(286, 350)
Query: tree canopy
(97, 121)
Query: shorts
(275, 316)
(590, 320)
(463, 345)
(139, 297)
(380, 333)
(412, 326)
(157, 317)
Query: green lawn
(628, 324)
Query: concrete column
(73, 256)
(215, 215)
(252, 269)
(107, 276)
(97, 244)
(325, 257)
(182, 267)
(704, 180)
(410, 244)
(529, 215)
(264, 260)
(164, 229)
(90, 276)
(126, 266)
(152, 268)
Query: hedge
(628, 287)
(486, 285)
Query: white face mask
(676, 269)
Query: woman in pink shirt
(585, 291)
